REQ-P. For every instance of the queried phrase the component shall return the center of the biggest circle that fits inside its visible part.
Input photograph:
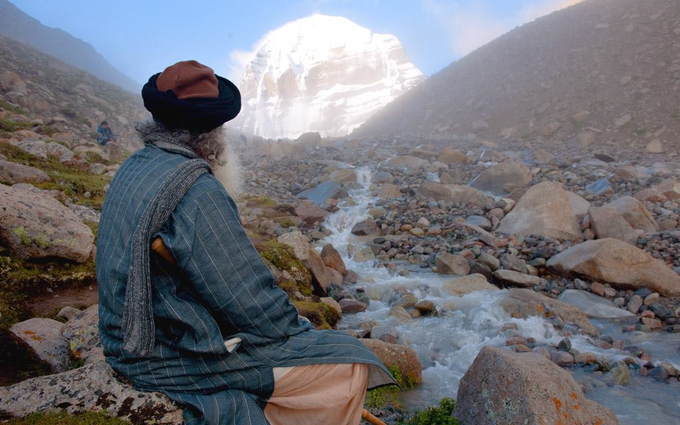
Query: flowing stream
(448, 344)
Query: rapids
(448, 344)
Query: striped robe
(219, 289)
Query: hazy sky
(141, 37)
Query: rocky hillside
(600, 71)
(58, 43)
(43, 94)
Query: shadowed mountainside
(603, 71)
(60, 44)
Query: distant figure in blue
(105, 134)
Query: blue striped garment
(219, 289)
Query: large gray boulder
(501, 179)
(544, 210)
(522, 303)
(592, 305)
(12, 173)
(506, 388)
(41, 227)
(324, 192)
(44, 337)
(617, 263)
(91, 388)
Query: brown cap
(189, 80)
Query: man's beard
(212, 146)
(230, 173)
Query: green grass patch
(388, 395)
(12, 125)
(260, 201)
(75, 183)
(12, 108)
(441, 415)
(63, 418)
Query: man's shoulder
(206, 189)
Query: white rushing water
(448, 344)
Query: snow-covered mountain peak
(321, 73)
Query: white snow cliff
(321, 73)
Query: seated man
(203, 320)
(105, 134)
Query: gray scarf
(138, 321)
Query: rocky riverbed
(571, 255)
(452, 260)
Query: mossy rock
(283, 258)
(321, 315)
(74, 182)
(388, 396)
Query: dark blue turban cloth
(200, 115)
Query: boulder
(541, 156)
(635, 213)
(462, 194)
(389, 191)
(592, 305)
(312, 138)
(608, 222)
(310, 258)
(599, 187)
(331, 258)
(348, 305)
(578, 204)
(91, 388)
(407, 162)
(365, 228)
(402, 357)
(522, 303)
(310, 213)
(44, 337)
(447, 263)
(41, 227)
(501, 179)
(432, 190)
(324, 192)
(452, 156)
(544, 210)
(506, 388)
(513, 278)
(82, 335)
(617, 263)
(11, 173)
(382, 177)
(344, 175)
(468, 284)
(668, 190)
